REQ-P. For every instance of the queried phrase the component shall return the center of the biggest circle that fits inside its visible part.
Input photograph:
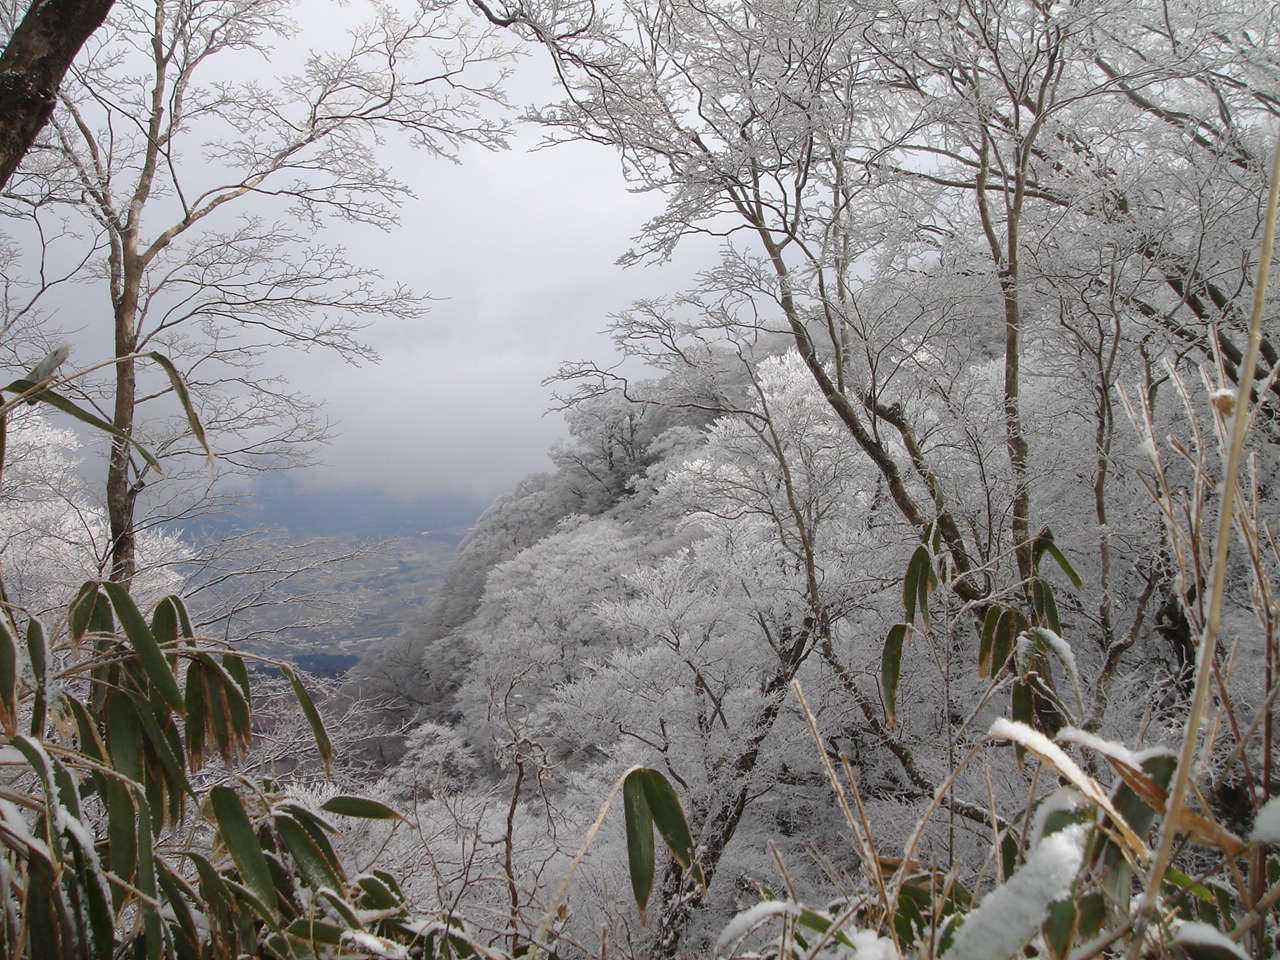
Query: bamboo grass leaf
(166, 624)
(668, 817)
(1044, 544)
(242, 843)
(158, 669)
(363, 807)
(309, 710)
(197, 711)
(8, 681)
(917, 584)
(38, 656)
(319, 871)
(184, 397)
(80, 615)
(640, 846)
(891, 669)
(59, 402)
(986, 642)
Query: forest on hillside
(909, 576)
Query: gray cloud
(520, 247)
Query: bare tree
(209, 193)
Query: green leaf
(36, 652)
(217, 713)
(1045, 545)
(196, 714)
(214, 895)
(917, 584)
(165, 743)
(234, 665)
(389, 881)
(377, 895)
(908, 921)
(1060, 928)
(263, 908)
(1010, 624)
(318, 871)
(59, 402)
(124, 738)
(180, 388)
(45, 926)
(242, 843)
(816, 921)
(315, 931)
(89, 731)
(154, 662)
(1091, 912)
(90, 893)
(8, 681)
(891, 669)
(1178, 879)
(640, 848)
(1022, 710)
(1045, 606)
(317, 828)
(986, 642)
(145, 878)
(312, 714)
(363, 807)
(122, 831)
(80, 615)
(237, 695)
(342, 908)
(668, 817)
(178, 896)
(34, 753)
(166, 622)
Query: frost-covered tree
(53, 534)
(974, 222)
(907, 193)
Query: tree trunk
(32, 66)
(724, 813)
(122, 493)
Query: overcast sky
(519, 246)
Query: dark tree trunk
(32, 66)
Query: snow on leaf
(1200, 941)
(1108, 748)
(1011, 914)
(1063, 800)
(374, 946)
(1266, 826)
(746, 921)
(1051, 753)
